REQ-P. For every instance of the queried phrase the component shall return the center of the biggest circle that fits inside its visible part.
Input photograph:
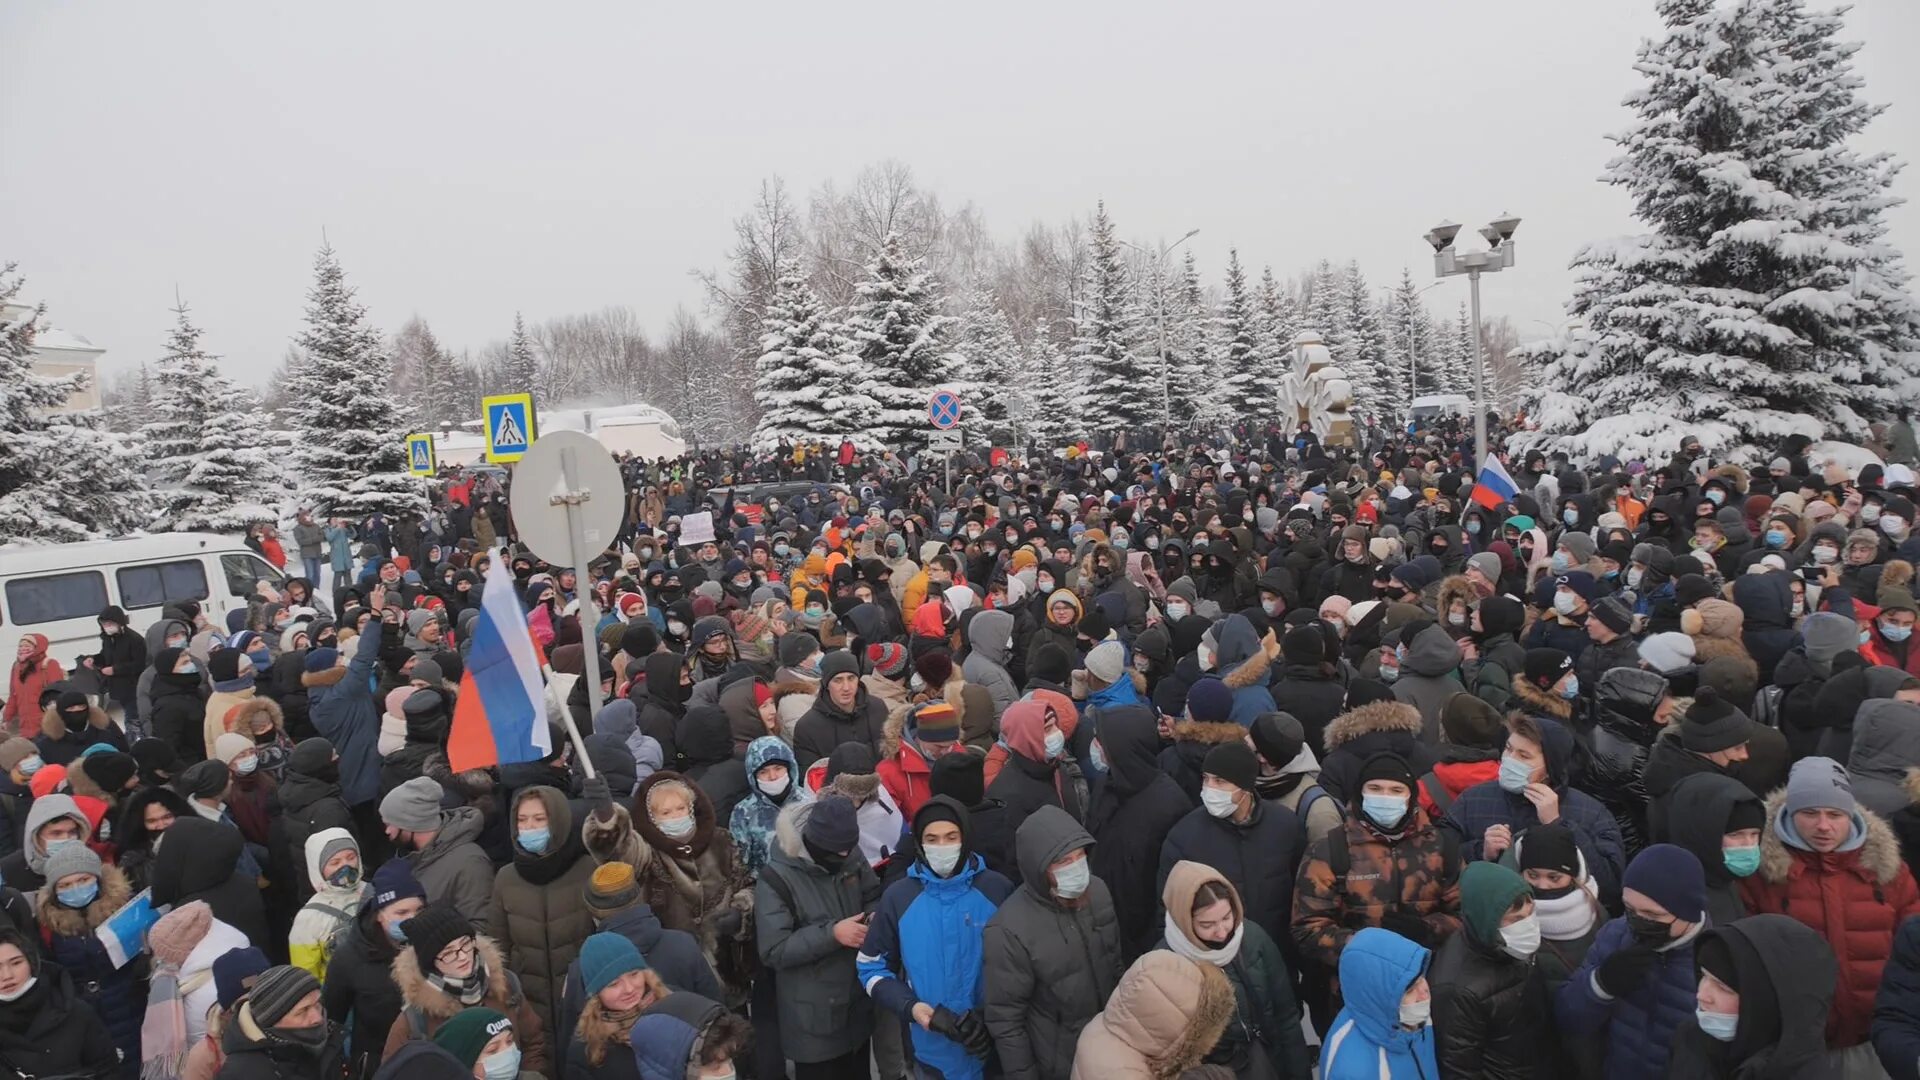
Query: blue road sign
(943, 409)
(509, 426)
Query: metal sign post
(570, 470)
(943, 412)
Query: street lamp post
(1160, 313)
(1448, 263)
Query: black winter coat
(179, 715)
(197, 863)
(1025, 786)
(308, 805)
(360, 983)
(1489, 1011)
(1132, 813)
(62, 1035)
(253, 1054)
(1314, 694)
(1260, 857)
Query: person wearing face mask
(1720, 821)
(538, 913)
(1254, 844)
(119, 663)
(79, 894)
(1891, 641)
(53, 821)
(922, 956)
(812, 904)
(1385, 1031)
(144, 819)
(1636, 985)
(483, 1040)
(1388, 865)
(1038, 771)
(1489, 1009)
(1835, 866)
(446, 968)
(334, 871)
(70, 725)
(1765, 987)
(772, 782)
(1567, 904)
(1564, 626)
(359, 981)
(661, 698)
(46, 1029)
(441, 845)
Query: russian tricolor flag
(1494, 487)
(500, 717)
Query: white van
(60, 589)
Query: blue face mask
(1473, 526)
(1776, 539)
(1719, 1026)
(1385, 811)
(397, 935)
(79, 896)
(1572, 689)
(1895, 633)
(534, 840)
(1570, 516)
(261, 659)
(504, 1065)
(1559, 562)
(1741, 861)
(1515, 774)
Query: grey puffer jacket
(990, 637)
(1428, 678)
(1050, 964)
(823, 1011)
(455, 868)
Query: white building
(62, 352)
(641, 430)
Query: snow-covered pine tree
(445, 398)
(1763, 301)
(800, 376)
(1411, 344)
(1248, 395)
(1329, 311)
(1365, 364)
(899, 340)
(215, 469)
(1466, 360)
(1123, 388)
(353, 433)
(521, 373)
(186, 397)
(992, 357)
(1189, 333)
(1048, 420)
(62, 476)
(1278, 327)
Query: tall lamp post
(1160, 305)
(1448, 263)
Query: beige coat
(1161, 1021)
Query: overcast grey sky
(470, 158)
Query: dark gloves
(599, 796)
(1409, 926)
(945, 1022)
(1624, 971)
(974, 1038)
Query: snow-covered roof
(54, 339)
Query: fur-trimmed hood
(418, 993)
(1214, 733)
(1251, 672)
(330, 677)
(1896, 572)
(54, 726)
(1167, 1013)
(1369, 718)
(894, 731)
(1879, 856)
(1536, 700)
(1455, 587)
(71, 922)
(241, 717)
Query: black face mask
(826, 860)
(1649, 932)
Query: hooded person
(810, 908)
(1385, 1031)
(143, 820)
(447, 968)
(1471, 735)
(1836, 866)
(773, 780)
(1038, 771)
(1765, 988)
(1489, 1010)
(922, 959)
(1429, 665)
(538, 913)
(28, 678)
(1244, 666)
(620, 719)
(661, 698)
(1711, 737)
(1205, 922)
(1720, 821)
(1535, 787)
(198, 861)
(990, 649)
(443, 845)
(52, 821)
(1132, 813)
(1164, 1016)
(1052, 950)
(72, 724)
(310, 796)
(337, 876)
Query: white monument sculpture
(1317, 392)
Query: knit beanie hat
(936, 722)
(1712, 724)
(1209, 701)
(605, 957)
(1487, 891)
(466, 1034)
(1828, 635)
(833, 825)
(1466, 720)
(1814, 782)
(1668, 651)
(438, 925)
(1549, 847)
(1544, 667)
(1304, 645)
(1386, 766)
(235, 972)
(1690, 589)
(887, 659)
(229, 746)
(428, 671)
(960, 776)
(1670, 876)
(1107, 662)
(414, 805)
(1052, 663)
(1746, 813)
(224, 666)
(394, 882)
(203, 779)
(1613, 615)
(795, 648)
(111, 769)
(320, 660)
(277, 991)
(1234, 763)
(1278, 736)
(934, 668)
(179, 931)
(612, 888)
(71, 859)
(1487, 563)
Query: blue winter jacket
(1896, 1009)
(753, 816)
(924, 944)
(1594, 828)
(1367, 1041)
(1636, 1029)
(1239, 648)
(346, 715)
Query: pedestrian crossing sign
(510, 426)
(421, 460)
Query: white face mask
(1177, 611)
(941, 858)
(1055, 743)
(1218, 803)
(1205, 657)
(18, 994)
(1565, 602)
(1521, 939)
(1415, 1014)
(774, 787)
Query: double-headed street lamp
(1448, 263)
(1160, 302)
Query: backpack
(1313, 795)
(1766, 706)
(1436, 790)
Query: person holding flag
(499, 717)
(1493, 488)
(341, 707)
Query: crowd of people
(1242, 756)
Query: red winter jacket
(1456, 777)
(908, 776)
(1855, 899)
